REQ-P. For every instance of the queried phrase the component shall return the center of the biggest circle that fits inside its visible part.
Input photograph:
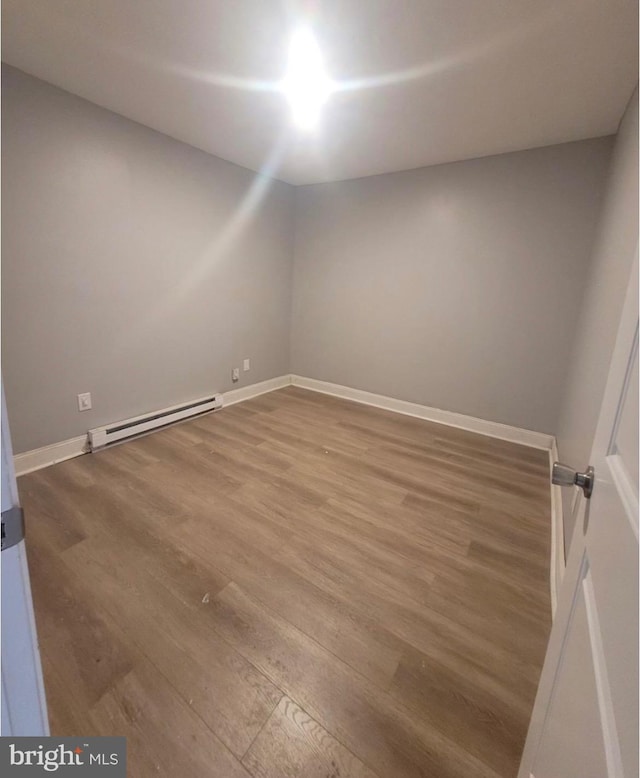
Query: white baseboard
(492, 429)
(38, 458)
(556, 567)
(50, 455)
(255, 390)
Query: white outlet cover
(84, 401)
(235, 374)
(246, 365)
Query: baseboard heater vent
(129, 428)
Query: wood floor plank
(509, 561)
(50, 516)
(227, 692)
(493, 728)
(490, 450)
(450, 485)
(292, 744)
(353, 637)
(227, 429)
(88, 650)
(326, 472)
(499, 624)
(368, 722)
(69, 713)
(501, 478)
(164, 735)
(296, 585)
(415, 548)
(490, 596)
(411, 620)
(422, 523)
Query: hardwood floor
(295, 586)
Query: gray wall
(121, 274)
(143, 270)
(456, 286)
(614, 249)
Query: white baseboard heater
(129, 428)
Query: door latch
(12, 526)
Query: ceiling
(420, 81)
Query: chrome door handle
(563, 475)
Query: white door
(585, 718)
(24, 710)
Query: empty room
(320, 388)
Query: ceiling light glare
(306, 84)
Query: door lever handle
(563, 475)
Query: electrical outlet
(246, 365)
(84, 401)
(235, 374)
